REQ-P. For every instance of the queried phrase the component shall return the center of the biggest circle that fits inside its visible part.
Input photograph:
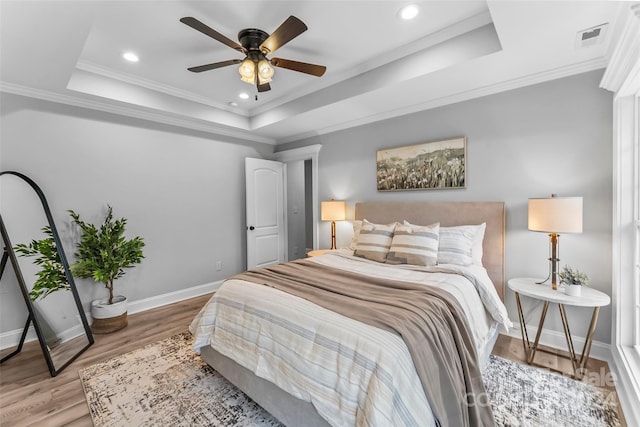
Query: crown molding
(467, 95)
(622, 75)
(524, 81)
(302, 153)
(429, 41)
(109, 73)
(137, 113)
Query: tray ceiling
(378, 65)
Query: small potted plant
(102, 255)
(573, 280)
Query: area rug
(522, 395)
(167, 384)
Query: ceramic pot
(101, 309)
(573, 290)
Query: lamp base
(553, 262)
(333, 235)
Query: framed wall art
(426, 166)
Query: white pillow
(455, 246)
(455, 243)
(461, 244)
(374, 241)
(414, 244)
(478, 241)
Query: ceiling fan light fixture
(256, 69)
(250, 80)
(265, 71)
(247, 71)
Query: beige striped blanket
(428, 319)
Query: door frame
(310, 152)
(271, 165)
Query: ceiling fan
(256, 44)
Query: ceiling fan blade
(204, 29)
(207, 67)
(291, 28)
(263, 87)
(302, 67)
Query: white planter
(101, 309)
(573, 290)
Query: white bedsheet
(354, 374)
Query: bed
(311, 366)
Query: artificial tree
(103, 253)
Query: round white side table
(589, 298)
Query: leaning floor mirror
(36, 284)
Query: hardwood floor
(30, 396)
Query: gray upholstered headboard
(449, 214)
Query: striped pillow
(374, 241)
(456, 245)
(414, 244)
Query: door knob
(252, 228)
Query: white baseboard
(171, 297)
(11, 339)
(557, 340)
(626, 372)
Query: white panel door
(265, 212)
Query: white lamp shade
(556, 215)
(334, 210)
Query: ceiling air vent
(591, 36)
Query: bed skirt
(289, 410)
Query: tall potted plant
(103, 254)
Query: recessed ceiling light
(233, 104)
(409, 12)
(243, 95)
(130, 56)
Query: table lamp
(334, 210)
(555, 215)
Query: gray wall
(180, 190)
(183, 192)
(296, 208)
(554, 137)
(308, 200)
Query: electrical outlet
(218, 265)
